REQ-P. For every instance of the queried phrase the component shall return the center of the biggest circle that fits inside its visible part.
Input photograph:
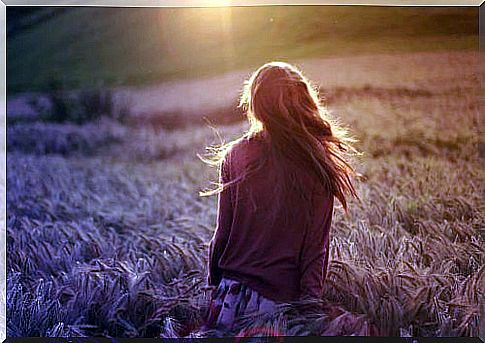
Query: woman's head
(277, 97)
(282, 105)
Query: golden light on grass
(216, 23)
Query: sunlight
(227, 31)
(219, 3)
(214, 24)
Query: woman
(276, 194)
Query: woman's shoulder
(244, 146)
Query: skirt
(233, 299)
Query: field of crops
(107, 234)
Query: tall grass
(114, 242)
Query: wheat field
(107, 236)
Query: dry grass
(114, 243)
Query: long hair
(284, 110)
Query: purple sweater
(285, 261)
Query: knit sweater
(281, 254)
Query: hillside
(85, 46)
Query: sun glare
(219, 3)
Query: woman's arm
(315, 251)
(224, 221)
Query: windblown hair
(284, 110)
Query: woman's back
(269, 243)
(277, 188)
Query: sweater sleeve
(223, 226)
(315, 250)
